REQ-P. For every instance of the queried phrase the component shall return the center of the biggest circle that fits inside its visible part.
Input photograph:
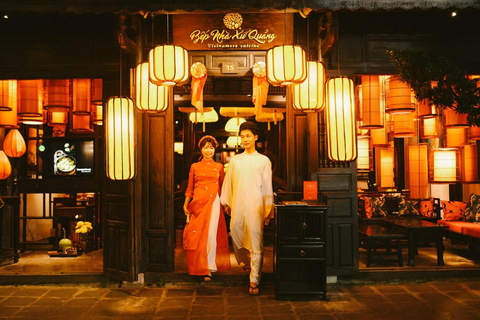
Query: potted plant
(83, 229)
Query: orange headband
(208, 136)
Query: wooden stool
(370, 233)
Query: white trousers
(212, 235)
(252, 260)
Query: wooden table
(370, 233)
(413, 228)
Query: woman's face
(208, 151)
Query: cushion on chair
(472, 211)
(409, 207)
(426, 208)
(453, 210)
(372, 207)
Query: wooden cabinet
(9, 229)
(300, 252)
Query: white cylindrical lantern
(286, 65)
(309, 96)
(168, 65)
(444, 165)
(149, 96)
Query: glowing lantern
(233, 124)
(363, 159)
(97, 114)
(9, 119)
(120, 138)
(380, 136)
(57, 116)
(57, 94)
(30, 98)
(309, 96)
(168, 65)
(454, 119)
(14, 144)
(148, 96)
(470, 163)
(81, 123)
(269, 117)
(210, 116)
(444, 165)
(429, 128)
(33, 120)
(371, 105)
(82, 96)
(340, 114)
(385, 167)
(8, 95)
(178, 147)
(417, 170)
(97, 91)
(404, 125)
(237, 112)
(400, 97)
(233, 141)
(426, 110)
(5, 167)
(474, 131)
(455, 137)
(286, 65)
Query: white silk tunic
(247, 190)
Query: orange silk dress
(204, 185)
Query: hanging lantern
(454, 119)
(233, 124)
(57, 94)
(404, 125)
(455, 137)
(417, 170)
(5, 167)
(363, 159)
(168, 65)
(470, 163)
(199, 77)
(148, 96)
(210, 116)
(260, 86)
(97, 91)
(82, 96)
(385, 167)
(9, 119)
(426, 110)
(474, 131)
(269, 117)
(286, 65)
(81, 123)
(57, 116)
(233, 112)
(14, 144)
(233, 141)
(372, 109)
(8, 95)
(33, 120)
(30, 98)
(178, 147)
(120, 138)
(340, 114)
(444, 165)
(309, 96)
(97, 118)
(380, 136)
(429, 128)
(400, 97)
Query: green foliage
(437, 76)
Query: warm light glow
(168, 65)
(286, 65)
(444, 165)
(233, 112)
(417, 170)
(340, 115)
(8, 95)
(30, 98)
(363, 159)
(380, 136)
(14, 144)
(33, 120)
(400, 97)
(81, 123)
(178, 147)
(453, 119)
(385, 167)
(233, 124)
(309, 96)
(211, 116)
(57, 94)
(8, 119)
(372, 111)
(5, 166)
(470, 163)
(429, 128)
(120, 138)
(426, 110)
(97, 91)
(474, 132)
(57, 116)
(97, 114)
(82, 96)
(149, 96)
(455, 137)
(269, 117)
(234, 141)
(404, 125)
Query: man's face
(248, 139)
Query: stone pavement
(426, 300)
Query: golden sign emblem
(232, 20)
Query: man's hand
(227, 210)
(267, 221)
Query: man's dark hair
(249, 125)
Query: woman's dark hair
(249, 125)
(204, 141)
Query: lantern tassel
(260, 93)
(197, 92)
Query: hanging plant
(436, 75)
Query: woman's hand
(227, 210)
(185, 210)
